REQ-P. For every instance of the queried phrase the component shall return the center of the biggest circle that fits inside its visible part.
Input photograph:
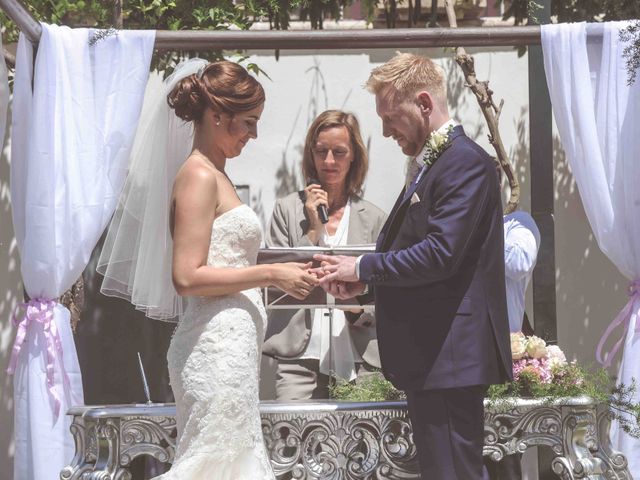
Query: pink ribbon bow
(623, 318)
(41, 311)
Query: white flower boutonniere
(435, 145)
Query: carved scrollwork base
(343, 441)
(144, 436)
(341, 445)
(513, 430)
(580, 440)
(614, 463)
(107, 465)
(81, 462)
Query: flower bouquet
(541, 370)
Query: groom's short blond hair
(408, 74)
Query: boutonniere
(436, 144)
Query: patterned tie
(413, 169)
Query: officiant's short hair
(408, 73)
(359, 166)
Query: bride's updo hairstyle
(223, 86)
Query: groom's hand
(344, 290)
(337, 268)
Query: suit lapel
(456, 132)
(401, 206)
(412, 187)
(389, 222)
(391, 234)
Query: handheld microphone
(322, 209)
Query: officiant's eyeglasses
(338, 153)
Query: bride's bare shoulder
(197, 170)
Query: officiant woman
(308, 343)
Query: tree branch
(9, 58)
(491, 112)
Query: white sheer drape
(71, 138)
(598, 118)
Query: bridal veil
(137, 253)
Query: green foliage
(144, 14)
(632, 51)
(589, 11)
(520, 10)
(83, 12)
(389, 8)
(573, 381)
(621, 9)
(185, 15)
(373, 388)
(176, 14)
(153, 14)
(573, 10)
(577, 10)
(570, 380)
(278, 12)
(624, 410)
(316, 10)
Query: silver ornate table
(345, 441)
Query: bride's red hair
(223, 86)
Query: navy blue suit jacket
(438, 276)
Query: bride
(181, 232)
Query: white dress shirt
(521, 244)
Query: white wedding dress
(214, 367)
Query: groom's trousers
(448, 431)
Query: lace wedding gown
(214, 363)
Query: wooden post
(542, 197)
(541, 162)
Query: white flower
(518, 345)
(556, 356)
(536, 347)
(437, 141)
(436, 144)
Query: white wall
(10, 295)
(302, 86)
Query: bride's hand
(295, 279)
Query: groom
(438, 273)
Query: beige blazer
(289, 331)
